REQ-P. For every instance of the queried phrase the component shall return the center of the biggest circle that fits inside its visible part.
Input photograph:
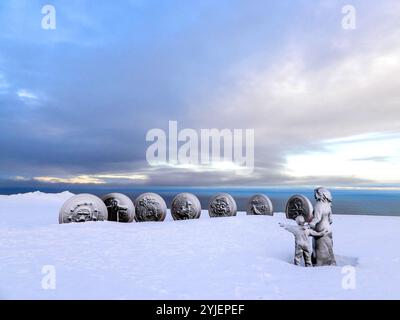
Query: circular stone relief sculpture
(260, 204)
(185, 206)
(81, 208)
(222, 205)
(120, 207)
(150, 207)
(299, 205)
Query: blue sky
(76, 102)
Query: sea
(345, 201)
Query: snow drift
(242, 257)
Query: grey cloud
(377, 159)
(105, 78)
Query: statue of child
(301, 232)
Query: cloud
(295, 105)
(90, 179)
(20, 178)
(288, 71)
(74, 180)
(4, 85)
(26, 95)
(353, 157)
(373, 158)
(124, 176)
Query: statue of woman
(321, 222)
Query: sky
(77, 101)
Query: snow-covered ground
(242, 257)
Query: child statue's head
(300, 220)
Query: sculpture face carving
(185, 209)
(296, 208)
(148, 210)
(82, 213)
(185, 206)
(259, 205)
(222, 205)
(150, 207)
(299, 205)
(83, 208)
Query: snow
(242, 257)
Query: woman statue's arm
(317, 217)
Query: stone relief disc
(222, 205)
(185, 206)
(299, 205)
(260, 204)
(81, 208)
(120, 207)
(150, 207)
